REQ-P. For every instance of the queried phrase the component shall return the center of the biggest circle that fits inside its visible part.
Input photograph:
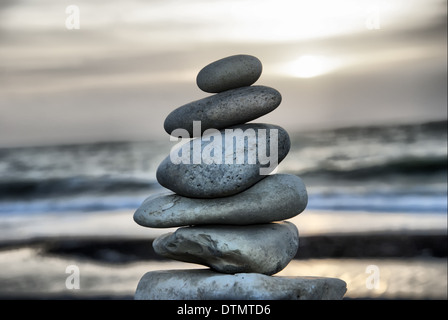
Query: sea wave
(395, 166)
(372, 202)
(71, 204)
(72, 186)
(389, 168)
(380, 202)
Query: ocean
(396, 168)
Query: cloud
(130, 64)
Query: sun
(309, 66)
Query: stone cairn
(228, 209)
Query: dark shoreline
(126, 250)
(413, 265)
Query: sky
(128, 64)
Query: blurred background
(85, 87)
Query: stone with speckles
(223, 110)
(213, 172)
(228, 73)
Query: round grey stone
(204, 284)
(275, 198)
(229, 73)
(261, 248)
(207, 168)
(224, 109)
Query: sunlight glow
(309, 66)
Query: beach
(86, 88)
(408, 252)
(377, 211)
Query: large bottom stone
(205, 284)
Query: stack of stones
(230, 209)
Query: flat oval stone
(261, 248)
(224, 109)
(205, 284)
(229, 73)
(225, 162)
(275, 198)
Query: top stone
(229, 73)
